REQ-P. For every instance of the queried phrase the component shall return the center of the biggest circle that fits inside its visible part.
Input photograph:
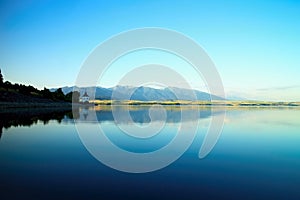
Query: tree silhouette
(1, 78)
(31, 91)
(46, 93)
(59, 95)
(73, 97)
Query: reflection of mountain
(138, 114)
(143, 93)
(27, 117)
(142, 114)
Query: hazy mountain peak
(142, 93)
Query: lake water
(257, 155)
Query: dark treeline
(58, 95)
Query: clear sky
(255, 45)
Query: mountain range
(141, 93)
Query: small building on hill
(85, 98)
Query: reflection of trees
(27, 117)
(74, 114)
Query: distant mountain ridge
(142, 93)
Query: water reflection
(141, 114)
(256, 156)
(27, 117)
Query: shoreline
(198, 103)
(97, 103)
(7, 105)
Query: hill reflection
(146, 114)
(138, 114)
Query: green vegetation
(220, 103)
(22, 93)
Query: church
(85, 98)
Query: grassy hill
(19, 95)
(12, 98)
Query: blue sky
(255, 45)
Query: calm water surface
(256, 157)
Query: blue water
(256, 157)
